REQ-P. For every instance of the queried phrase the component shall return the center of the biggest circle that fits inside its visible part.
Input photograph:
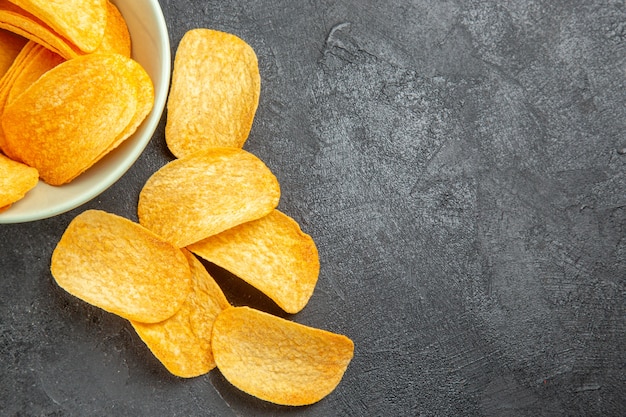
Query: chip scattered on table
(206, 193)
(121, 267)
(278, 360)
(182, 343)
(272, 254)
(215, 92)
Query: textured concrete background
(461, 166)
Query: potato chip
(80, 21)
(183, 342)
(144, 90)
(214, 94)
(272, 254)
(73, 114)
(121, 267)
(278, 360)
(206, 193)
(6, 82)
(10, 45)
(16, 180)
(37, 63)
(116, 36)
(19, 21)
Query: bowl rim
(132, 148)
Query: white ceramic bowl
(151, 48)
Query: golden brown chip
(214, 94)
(183, 342)
(116, 36)
(206, 193)
(21, 22)
(278, 360)
(71, 115)
(37, 63)
(121, 267)
(80, 21)
(6, 82)
(271, 254)
(16, 180)
(144, 92)
(10, 46)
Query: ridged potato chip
(121, 267)
(74, 114)
(80, 21)
(206, 193)
(278, 360)
(272, 254)
(214, 94)
(10, 46)
(16, 180)
(182, 343)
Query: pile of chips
(217, 202)
(69, 90)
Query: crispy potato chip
(121, 267)
(214, 94)
(206, 193)
(81, 21)
(278, 360)
(272, 254)
(37, 63)
(21, 22)
(183, 342)
(73, 114)
(116, 36)
(10, 46)
(144, 90)
(6, 82)
(16, 180)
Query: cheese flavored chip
(271, 254)
(183, 342)
(278, 360)
(206, 193)
(10, 46)
(80, 21)
(214, 94)
(16, 180)
(74, 114)
(121, 267)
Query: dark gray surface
(461, 167)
